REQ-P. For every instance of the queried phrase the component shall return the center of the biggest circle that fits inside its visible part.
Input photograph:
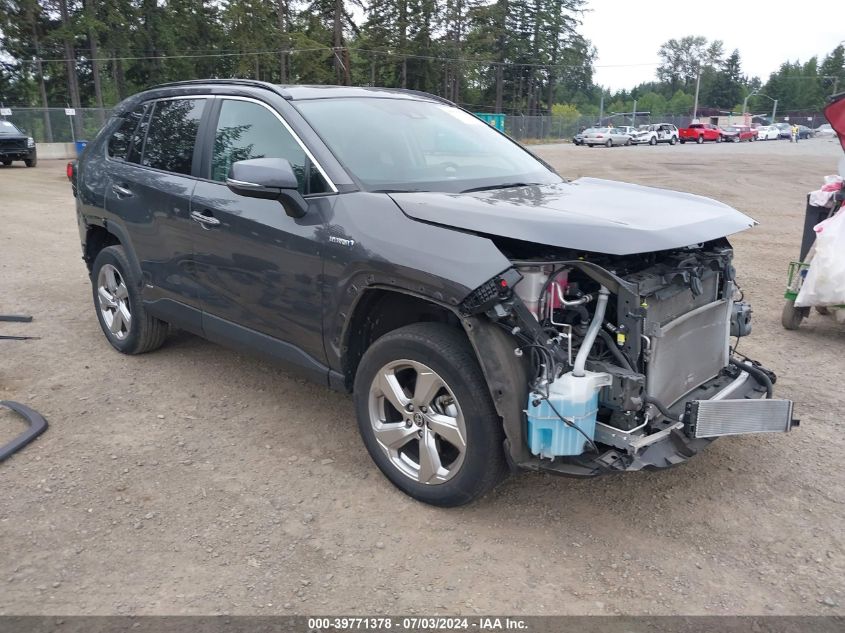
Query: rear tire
(652, 141)
(791, 316)
(455, 390)
(609, 143)
(700, 140)
(672, 140)
(120, 311)
(719, 138)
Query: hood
(587, 214)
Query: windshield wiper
(506, 185)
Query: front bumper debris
(678, 441)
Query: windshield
(409, 145)
(8, 128)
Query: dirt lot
(195, 480)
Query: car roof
(252, 86)
(296, 92)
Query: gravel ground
(197, 481)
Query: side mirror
(270, 179)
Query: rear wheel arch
(99, 236)
(96, 239)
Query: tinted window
(124, 136)
(248, 130)
(172, 133)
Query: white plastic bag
(825, 281)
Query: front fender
(370, 243)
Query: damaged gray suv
(487, 314)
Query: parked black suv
(16, 145)
(484, 311)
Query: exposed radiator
(688, 351)
(712, 418)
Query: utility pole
(774, 111)
(697, 86)
(634, 115)
(601, 106)
(745, 102)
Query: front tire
(117, 300)
(652, 141)
(673, 140)
(426, 417)
(700, 140)
(609, 143)
(31, 162)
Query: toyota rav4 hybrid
(486, 313)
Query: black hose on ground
(758, 373)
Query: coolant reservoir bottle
(576, 398)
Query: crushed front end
(628, 359)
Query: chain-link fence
(551, 128)
(53, 125)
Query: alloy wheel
(113, 297)
(417, 422)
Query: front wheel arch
(507, 375)
(379, 311)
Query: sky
(628, 35)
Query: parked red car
(737, 133)
(700, 132)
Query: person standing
(794, 133)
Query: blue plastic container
(577, 400)
(80, 146)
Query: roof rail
(428, 95)
(236, 82)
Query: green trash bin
(493, 120)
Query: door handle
(205, 220)
(123, 192)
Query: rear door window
(122, 139)
(172, 135)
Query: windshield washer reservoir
(575, 398)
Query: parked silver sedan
(607, 136)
